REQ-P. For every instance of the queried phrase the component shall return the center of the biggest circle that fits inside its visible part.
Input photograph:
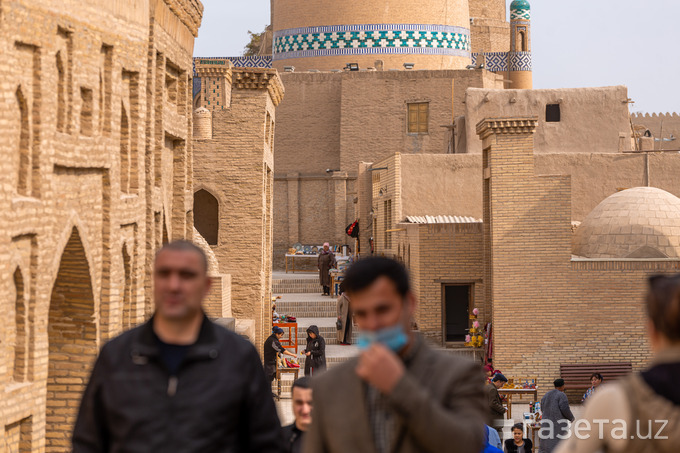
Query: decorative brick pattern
(96, 176)
(240, 144)
(520, 10)
(371, 39)
(493, 61)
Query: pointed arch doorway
(72, 335)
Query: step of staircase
(327, 330)
(335, 355)
(306, 305)
(302, 285)
(473, 354)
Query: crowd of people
(180, 383)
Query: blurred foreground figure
(640, 414)
(178, 383)
(301, 394)
(399, 395)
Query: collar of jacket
(412, 350)
(669, 355)
(145, 344)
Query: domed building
(643, 222)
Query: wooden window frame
(418, 118)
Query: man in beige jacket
(399, 395)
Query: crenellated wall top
(259, 79)
(506, 126)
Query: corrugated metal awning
(441, 219)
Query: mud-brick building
(96, 173)
(556, 263)
(367, 79)
(556, 297)
(233, 181)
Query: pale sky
(576, 43)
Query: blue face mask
(393, 337)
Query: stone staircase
(299, 295)
(308, 284)
(306, 305)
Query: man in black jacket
(301, 394)
(178, 383)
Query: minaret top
(520, 10)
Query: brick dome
(643, 222)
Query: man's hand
(381, 368)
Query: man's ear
(653, 336)
(412, 303)
(208, 285)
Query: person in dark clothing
(555, 417)
(315, 352)
(518, 444)
(325, 263)
(301, 394)
(272, 348)
(495, 403)
(170, 384)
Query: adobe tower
(519, 60)
(327, 34)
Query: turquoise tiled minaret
(519, 59)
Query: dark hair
(517, 426)
(558, 383)
(499, 377)
(303, 383)
(277, 329)
(185, 246)
(364, 273)
(663, 305)
(597, 375)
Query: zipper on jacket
(172, 385)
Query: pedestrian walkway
(299, 295)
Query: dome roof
(520, 4)
(520, 10)
(643, 222)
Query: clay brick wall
(386, 204)
(241, 148)
(598, 114)
(661, 125)
(336, 120)
(427, 177)
(567, 306)
(89, 190)
(437, 255)
(488, 9)
(489, 35)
